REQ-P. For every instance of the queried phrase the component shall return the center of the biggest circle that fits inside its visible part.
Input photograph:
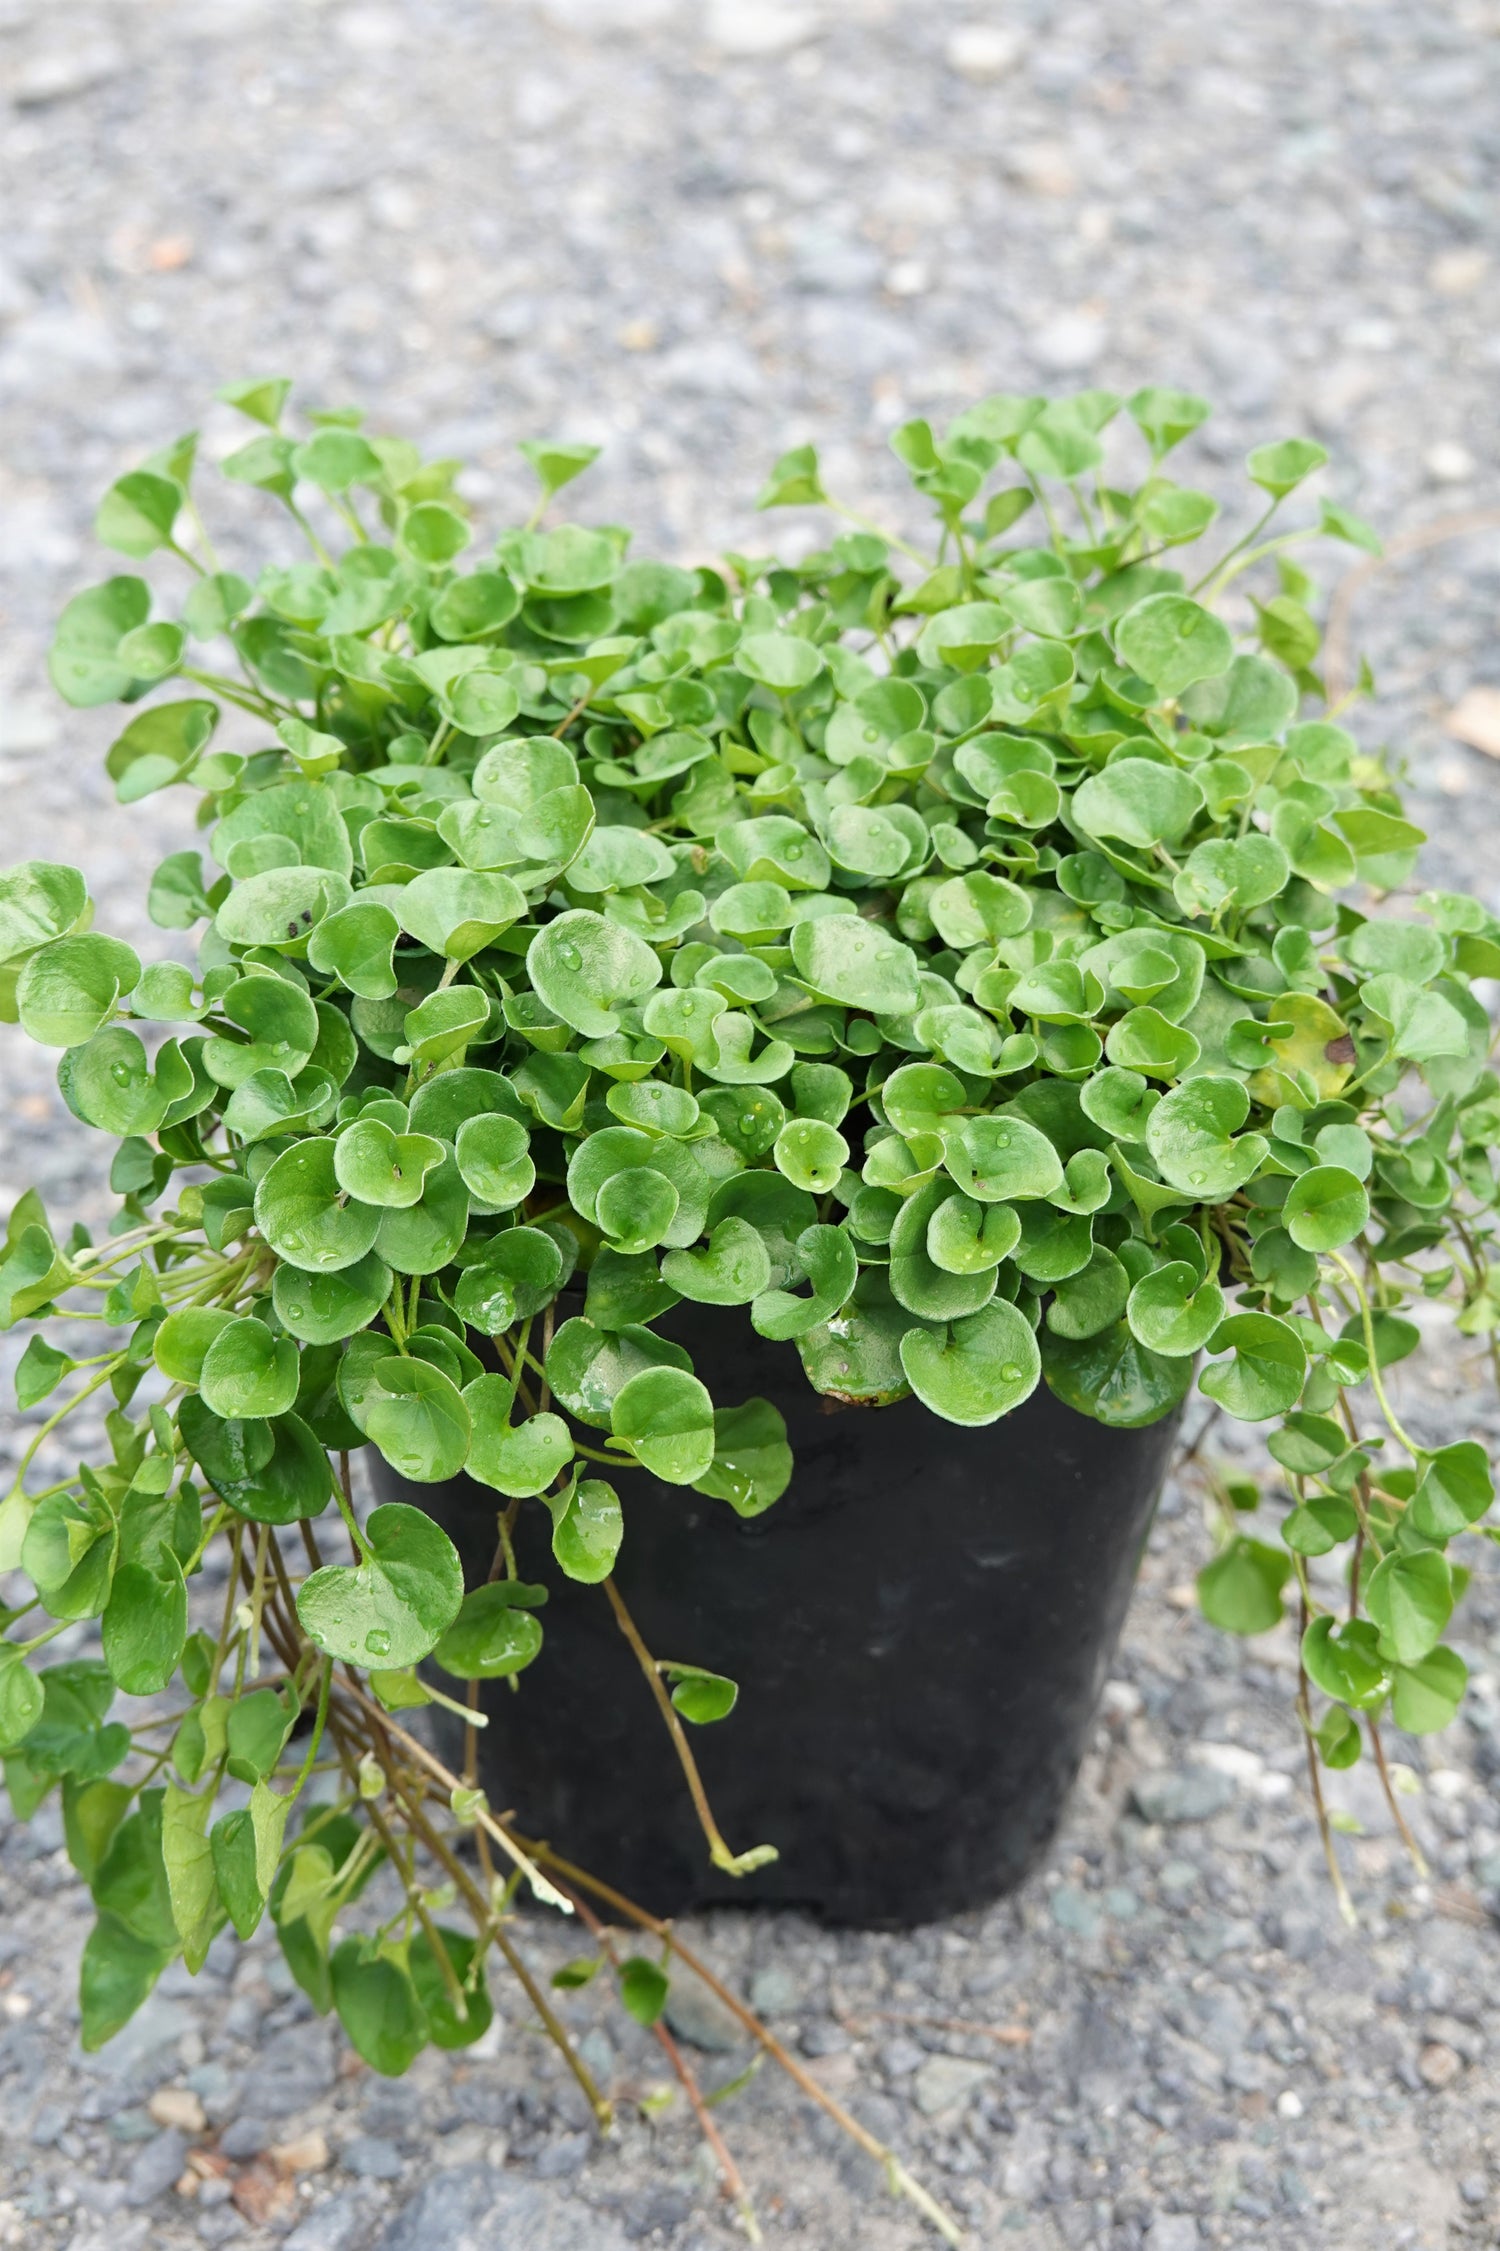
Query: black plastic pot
(920, 1629)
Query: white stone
(984, 52)
(1288, 2103)
(758, 27)
(1069, 343)
(1448, 462)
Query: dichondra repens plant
(969, 963)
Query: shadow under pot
(920, 1629)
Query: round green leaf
(1241, 1589)
(666, 1417)
(587, 1529)
(1455, 1490)
(1425, 1697)
(180, 1343)
(1410, 1599)
(701, 1697)
(964, 1237)
(377, 1166)
(812, 1155)
(1325, 1208)
(1002, 1160)
(1174, 1311)
(519, 1459)
(247, 1371)
(493, 1162)
(516, 1273)
(636, 1208)
(845, 958)
(976, 1370)
(1113, 1378)
(305, 1217)
(376, 2001)
(68, 989)
(1345, 1661)
(393, 1607)
(783, 661)
(585, 969)
(733, 1268)
(1090, 1300)
(420, 1238)
(356, 946)
(1266, 1372)
(1172, 641)
(1191, 1134)
(752, 1464)
(325, 1308)
(416, 1416)
(492, 1636)
(456, 912)
(1138, 802)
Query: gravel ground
(699, 233)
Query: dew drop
(1197, 1178)
(570, 957)
(747, 1122)
(120, 1073)
(1011, 1372)
(377, 1641)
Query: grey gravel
(698, 231)
(371, 2158)
(1191, 1794)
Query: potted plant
(927, 1002)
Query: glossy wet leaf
(666, 1418)
(493, 1634)
(1193, 1133)
(585, 968)
(733, 1267)
(1325, 1208)
(304, 1213)
(493, 1161)
(325, 1308)
(377, 1166)
(247, 1371)
(394, 1606)
(1114, 1378)
(516, 1274)
(1174, 1310)
(752, 1464)
(587, 1529)
(417, 1417)
(517, 1459)
(975, 1370)
(844, 958)
(1002, 1160)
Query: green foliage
(977, 973)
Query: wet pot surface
(920, 1629)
